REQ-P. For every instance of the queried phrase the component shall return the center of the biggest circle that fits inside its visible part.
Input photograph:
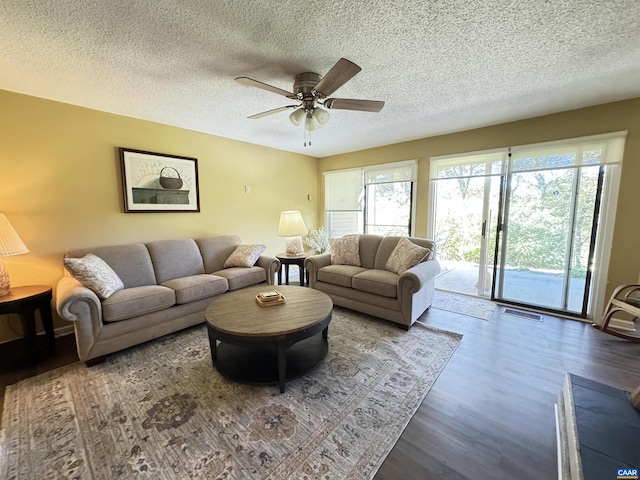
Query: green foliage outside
(539, 232)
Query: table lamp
(10, 244)
(292, 227)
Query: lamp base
(294, 246)
(4, 280)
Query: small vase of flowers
(318, 240)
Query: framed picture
(156, 182)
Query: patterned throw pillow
(244, 256)
(406, 255)
(95, 274)
(345, 250)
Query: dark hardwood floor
(490, 415)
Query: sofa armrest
(313, 263)
(412, 280)
(78, 304)
(271, 266)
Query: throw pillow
(345, 250)
(244, 256)
(95, 274)
(406, 255)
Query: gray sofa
(372, 289)
(167, 287)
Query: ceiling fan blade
(343, 71)
(271, 112)
(250, 82)
(351, 104)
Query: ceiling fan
(311, 90)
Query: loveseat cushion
(339, 274)
(195, 287)
(405, 255)
(345, 250)
(379, 282)
(175, 259)
(135, 301)
(240, 277)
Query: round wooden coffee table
(268, 345)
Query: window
(379, 199)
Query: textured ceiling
(441, 66)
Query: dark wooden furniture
(286, 260)
(268, 345)
(24, 301)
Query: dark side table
(24, 301)
(286, 260)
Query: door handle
(484, 228)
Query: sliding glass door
(548, 239)
(528, 226)
(466, 200)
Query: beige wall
(60, 180)
(613, 117)
(60, 186)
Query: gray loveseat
(168, 285)
(371, 288)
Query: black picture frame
(158, 182)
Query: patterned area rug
(472, 307)
(160, 411)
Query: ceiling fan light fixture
(321, 115)
(297, 116)
(311, 124)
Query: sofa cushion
(406, 255)
(339, 274)
(175, 259)
(131, 263)
(369, 246)
(216, 250)
(379, 282)
(345, 250)
(95, 274)
(240, 277)
(195, 287)
(135, 301)
(244, 256)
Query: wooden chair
(625, 299)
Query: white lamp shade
(321, 115)
(310, 124)
(291, 224)
(10, 242)
(297, 116)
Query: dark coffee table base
(258, 364)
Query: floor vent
(520, 313)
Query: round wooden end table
(268, 345)
(24, 301)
